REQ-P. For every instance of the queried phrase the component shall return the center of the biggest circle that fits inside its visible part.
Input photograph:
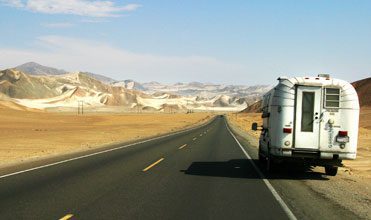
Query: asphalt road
(198, 174)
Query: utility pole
(190, 109)
(80, 107)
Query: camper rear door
(307, 123)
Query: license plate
(344, 139)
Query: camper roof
(320, 80)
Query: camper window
(332, 98)
(307, 111)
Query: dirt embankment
(364, 92)
(27, 136)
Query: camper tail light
(287, 130)
(342, 137)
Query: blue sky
(231, 42)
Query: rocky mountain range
(37, 69)
(32, 85)
(33, 68)
(49, 88)
(248, 94)
(203, 90)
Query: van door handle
(316, 115)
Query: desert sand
(33, 135)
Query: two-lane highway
(198, 174)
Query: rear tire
(331, 170)
(271, 165)
(269, 162)
(261, 156)
(261, 159)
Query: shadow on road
(242, 168)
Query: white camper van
(309, 119)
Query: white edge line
(102, 152)
(266, 181)
(66, 217)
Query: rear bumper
(309, 161)
(313, 154)
(341, 155)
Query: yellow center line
(182, 146)
(152, 165)
(66, 217)
(194, 139)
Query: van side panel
(282, 116)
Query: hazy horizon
(244, 43)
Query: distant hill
(254, 108)
(33, 68)
(65, 91)
(244, 93)
(363, 88)
(129, 84)
(17, 84)
(101, 78)
(209, 90)
(62, 90)
(37, 86)
(37, 69)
